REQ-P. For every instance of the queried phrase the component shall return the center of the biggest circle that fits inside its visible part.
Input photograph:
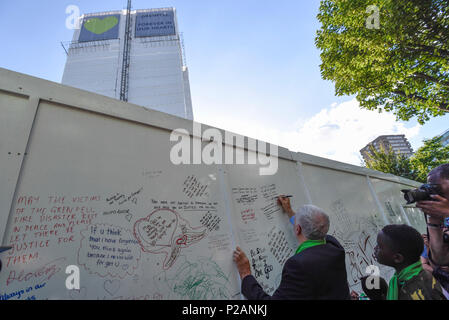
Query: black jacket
(316, 273)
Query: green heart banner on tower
(100, 28)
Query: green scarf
(399, 279)
(309, 243)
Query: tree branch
(442, 106)
(430, 78)
(429, 49)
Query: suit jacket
(316, 273)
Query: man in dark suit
(316, 271)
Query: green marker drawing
(99, 26)
(201, 280)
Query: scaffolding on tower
(126, 56)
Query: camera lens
(415, 195)
(420, 195)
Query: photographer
(437, 210)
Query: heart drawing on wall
(165, 231)
(111, 286)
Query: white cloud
(337, 132)
(340, 131)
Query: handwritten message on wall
(108, 250)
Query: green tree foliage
(386, 160)
(403, 66)
(429, 156)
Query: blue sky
(254, 70)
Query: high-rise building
(445, 138)
(398, 143)
(135, 56)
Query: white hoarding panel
(264, 230)
(392, 200)
(98, 189)
(354, 216)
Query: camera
(420, 194)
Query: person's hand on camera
(438, 209)
(286, 206)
